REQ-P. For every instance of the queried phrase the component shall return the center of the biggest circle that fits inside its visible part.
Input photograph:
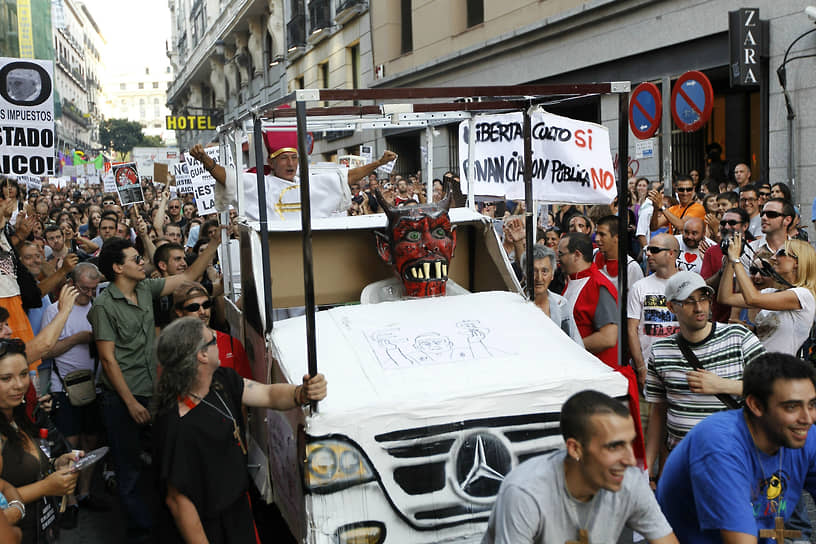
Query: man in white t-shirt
(328, 183)
(80, 425)
(648, 317)
(693, 244)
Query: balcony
(348, 9)
(71, 111)
(296, 32)
(319, 15)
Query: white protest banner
(108, 183)
(31, 182)
(572, 161)
(128, 184)
(388, 167)
(26, 117)
(203, 182)
(184, 183)
(367, 153)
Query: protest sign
(202, 181)
(388, 167)
(31, 182)
(367, 153)
(108, 183)
(184, 183)
(128, 185)
(572, 161)
(26, 117)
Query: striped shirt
(726, 351)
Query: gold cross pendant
(583, 538)
(778, 533)
(237, 434)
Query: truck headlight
(363, 532)
(332, 465)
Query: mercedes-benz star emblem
(482, 462)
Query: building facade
(78, 66)
(140, 95)
(475, 42)
(37, 42)
(226, 58)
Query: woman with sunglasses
(38, 480)
(199, 445)
(786, 315)
(191, 299)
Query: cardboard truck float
(431, 401)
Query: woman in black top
(23, 464)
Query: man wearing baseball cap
(697, 371)
(328, 182)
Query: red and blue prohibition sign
(645, 110)
(691, 101)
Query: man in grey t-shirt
(586, 493)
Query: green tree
(120, 134)
(152, 141)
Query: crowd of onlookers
(720, 268)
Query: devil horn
(445, 202)
(389, 210)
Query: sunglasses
(770, 214)
(692, 302)
(763, 193)
(685, 189)
(783, 253)
(212, 342)
(11, 346)
(654, 250)
(730, 222)
(207, 304)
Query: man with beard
(749, 201)
(737, 476)
(693, 245)
(681, 392)
(606, 258)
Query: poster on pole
(572, 161)
(128, 185)
(26, 117)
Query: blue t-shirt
(716, 468)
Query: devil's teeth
(419, 273)
(413, 272)
(427, 268)
(438, 269)
(444, 271)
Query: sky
(135, 32)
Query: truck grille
(449, 474)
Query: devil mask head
(418, 242)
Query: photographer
(787, 314)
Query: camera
(725, 243)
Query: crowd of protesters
(719, 273)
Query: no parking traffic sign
(645, 109)
(691, 101)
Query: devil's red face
(420, 251)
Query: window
(354, 62)
(155, 84)
(407, 42)
(122, 86)
(300, 83)
(141, 85)
(475, 12)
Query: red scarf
(611, 266)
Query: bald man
(693, 245)
(648, 318)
